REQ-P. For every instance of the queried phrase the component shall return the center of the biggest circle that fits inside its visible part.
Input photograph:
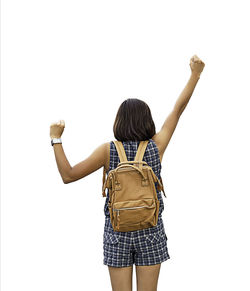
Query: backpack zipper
(115, 209)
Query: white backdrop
(78, 61)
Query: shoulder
(102, 151)
(105, 147)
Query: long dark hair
(133, 121)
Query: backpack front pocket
(134, 212)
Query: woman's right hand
(196, 65)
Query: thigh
(147, 277)
(121, 278)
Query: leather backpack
(133, 203)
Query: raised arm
(97, 159)
(163, 137)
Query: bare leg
(121, 278)
(147, 277)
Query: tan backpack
(133, 202)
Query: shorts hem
(136, 264)
(115, 266)
(153, 263)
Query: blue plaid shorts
(141, 247)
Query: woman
(147, 249)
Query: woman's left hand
(56, 129)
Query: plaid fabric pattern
(141, 247)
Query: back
(151, 156)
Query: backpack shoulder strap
(120, 150)
(123, 158)
(141, 150)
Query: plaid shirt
(141, 247)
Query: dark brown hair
(133, 121)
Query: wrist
(195, 75)
(53, 136)
(56, 140)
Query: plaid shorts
(141, 247)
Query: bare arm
(186, 94)
(70, 174)
(62, 162)
(163, 137)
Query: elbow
(66, 180)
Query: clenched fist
(56, 129)
(196, 65)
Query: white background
(78, 61)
